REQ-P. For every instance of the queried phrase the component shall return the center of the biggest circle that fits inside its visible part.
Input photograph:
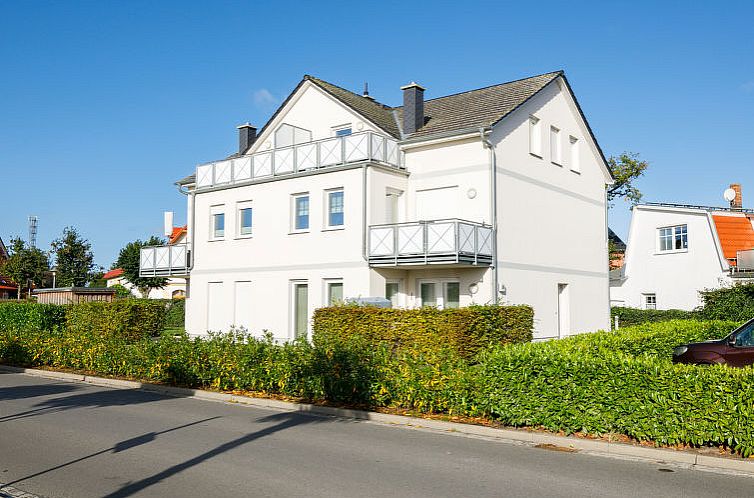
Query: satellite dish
(729, 195)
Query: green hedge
(628, 317)
(465, 330)
(129, 319)
(175, 314)
(29, 313)
(619, 382)
(729, 303)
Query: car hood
(705, 343)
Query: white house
(674, 251)
(176, 286)
(494, 194)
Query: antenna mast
(33, 222)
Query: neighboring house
(618, 249)
(495, 194)
(674, 251)
(8, 288)
(175, 288)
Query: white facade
(175, 288)
(551, 222)
(669, 274)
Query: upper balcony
(744, 267)
(445, 242)
(164, 261)
(309, 156)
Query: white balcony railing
(430, 242)
(164, 261)
(330, 152)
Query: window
(217, 222)
(301, 212)
(335, 208)
(391, 292)
(535, 136)
(442, 294)
(244, 219)
(300, 309)
(745, 338)
(342, 132)
(650, 301)
(287, 135)
(555, 152)
(575, 165)
(334, 292)
(673, 238)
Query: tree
(626, 168)
(129, 259)
(73, 258)
(95, 278)
(25, 265)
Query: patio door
(439, 293)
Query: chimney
(413, 107)
(247, 134)
(738, 201)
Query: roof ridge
(316, 80)
(559, 72)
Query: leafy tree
(95, 278)
(25, 265)
(73, 258)
(626, 168)
(129, 259)
(121, 292)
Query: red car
(736, 350)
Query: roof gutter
(472, 131)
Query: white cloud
(264, 99)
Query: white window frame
(400, 294)
(326, 294)
(442, 296)
(326, 222)
(645, 298)
(340, 128)
(575, 158)
(218, 209)
(535, 136)
(240, 206)
(294, 212)
(292, 307)
(674, 229)
(556, 147)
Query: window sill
(674, 251)
(296, 232)
(216, 240)
(334, 229)
(241, 237)
(557, 164)
(535, 155)
(576, 172)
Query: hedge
(729, 303)
(604, 383)
(628, 317)
(464, 330)
(175, 314)
(29, 313)
(130, 319)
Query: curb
(531, 438)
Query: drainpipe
(364, 213)
(493, 208)
(192, 195)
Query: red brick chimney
(738, 202)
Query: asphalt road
(61, 439)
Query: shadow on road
(21, 392)
(284, 421)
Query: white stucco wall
(675, 277)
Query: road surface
(60, 439)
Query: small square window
(301, 212)
(673, 238)
(342, 132)
(650, 301)
(335, 208)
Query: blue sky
(103, 104)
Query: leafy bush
(465, 330)
(175, 315)
(729, 303)
(121, 291)
(628, 317)
(32, 314)
(130, 319)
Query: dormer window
(342, 130)
(673, 238)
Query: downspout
(192, 195)
(493, 217)
(364, 213)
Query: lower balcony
(436, 242)
(164, 261)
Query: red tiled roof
(177, 233)
(113, 274)
(735, 233)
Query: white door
(437, 203)
(242, 305)
(564, 311)
(217, 320)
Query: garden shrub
(729, 303)
(628, 317)
(175, 315)
(31, 314)
(464, 330)
(129, 319)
